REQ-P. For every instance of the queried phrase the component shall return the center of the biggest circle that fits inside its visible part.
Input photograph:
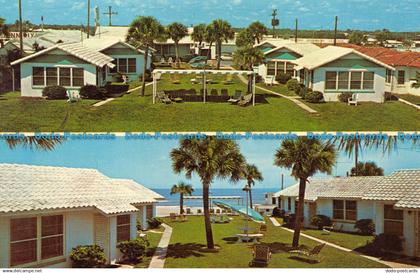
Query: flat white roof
(201, 71)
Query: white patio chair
(269, 80)
(73, 96)
(353, 100)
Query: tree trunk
(207, 223)
(219, 54)
(209, 51)
(177, 55)
(356, 158)
(299, 212)
(181, 203)
(146, 55)
(250, 198)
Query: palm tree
(244, 39)
(199, 35)
(367, 169)
(31, 142)
(305, 157)
(223, 32)
(142, 33)
(209, 159)
(248, 57)
(252, 174)
(210, 38)
(258, 30)
(182, 189)
(176, 32)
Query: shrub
(388, 243)
(277, 212)
(303, 90)
(293, 86)
(133, 250)
(314, 97)
(321, 221)
(55, 92)
(283, 78)
(116, 88)
(89, 256)
(344, 97)
(388, 96)
(290, 220)
(365, 226)
(92, 92)
(154, 222)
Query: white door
(102, 233)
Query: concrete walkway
(292, 99)
(387, 263)
(159, 257)
(409, 103)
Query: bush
(290, 220)
(90, 256)
(116, 88)
(93, 92)
(133, 250)
(388, 96)
(293, 86)
(283, 78)
(388, 243)
(321, 221)
(277, 212)
(314, 97)
(365, 226)
(344, 97)
(154, 222)
(55, 92)
(303, 90)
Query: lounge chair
(261, 255)
(188, 211)
(183, 218)
(269, 80)
(353, 100)
(163, 97)
(73, 96)
(246, 100)
(173, 217)
(326, 230)
(263, 228)
(236, 98)
(314, 253)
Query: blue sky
(402, 15)
(147, 161)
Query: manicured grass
(188, 239)
(411, 98)
(281, 89)
(135, 113)
(347, 240)
(153, 237)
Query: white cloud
(78, 5)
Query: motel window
(26, 241)
(356, 80)
(65, 76)
(289, 204)
(331, 80)
(393, 221)
(280, 67)
(290, 69)
(273, 200)
(123, 228)
(351, 210)
(401, 77)
(368, 79)
(271, 68)
(343, 80)
(115, 69)
(132, 65)
(78, 77)
(38, 76)
(149, 212)
(52, 76)
(388, 78)
(302, 75)
(122, 65)
(345, 210)
(338, 209)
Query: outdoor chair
(314, 253)
(174, 80)
(353, 100)
(163, 97)
(246, 100)
(173, 216)
(326, 230)
(183, 218)
(261, 255)
(170, 60)
(269, 80)
(236, 98)
(73, 96)
(162, 60)
(263, 228)
(188, 211)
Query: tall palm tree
(182, 189)
(31, 142)
(258, 30)
(210, 38)
(199, 35)
(176, 32)
(142, 33)
(209, 159)
(248, 57)
(251, 174)
(244, 39)
(367, 169)
(223, 32)
(305, 157)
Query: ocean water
(258, 196)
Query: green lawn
(188, 239)
(135, 113)
(153, 237)
(281, 89)
(347, 240)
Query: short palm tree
(248, 57)
(177, 31)
(31, 142)
(305, 157)
(258, 30)
(367, 169)
(142, 33)
(244, 39)
(182, 189)
(209, 159)
(251, 174)
(223, 32)
(199, 35)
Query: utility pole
(296, 31)
(274, 22)
(42, 23)
(282, 181)
(20, 27)
(88, 20)
(110, 13)
(335, 30)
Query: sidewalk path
(159, 257)
(387, 263)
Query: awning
(247, 212)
